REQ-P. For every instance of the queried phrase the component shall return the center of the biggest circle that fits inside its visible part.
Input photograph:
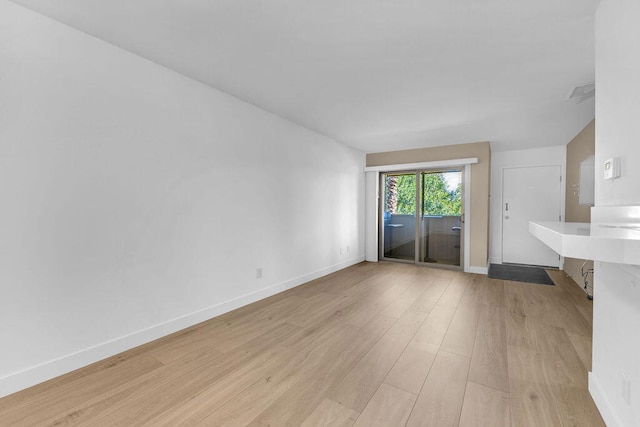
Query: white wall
(616, 335)
(136, 202)
(618, 100)
(500, 160)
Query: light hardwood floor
(373, 345)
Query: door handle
(455, 228)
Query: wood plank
(489, 359)
(533, 404)
(314, 310)
(485, 407)
(181, 381)
(376, 304)
(297, 403)
(577, 408)
(339, 281)
(204, 398)
(493, 292)
(401, 304)
(547, 305)
(433, 329)
(457, 286)
(440, 400)
(229, 335)
(532, 333)
(575, 293)
(357, 387)
(411, 369)
(428, 300)
(221, 420)
(279, 307)
(582, 346)
(97, 406)
(518, 324)
(334, 325)
(473, 293)
(533, 401)
(461, 334)
(372, 283)
(564, 367)
(569, 317)
(179, 347)
(389, 406)
(251, 402)
(330, 413)
(54, 402)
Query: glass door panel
(399, 216)
(440, 225)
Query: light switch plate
(612, 168)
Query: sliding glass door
(399, 216)
(440, 217)
(422, 219)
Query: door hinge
(559, 217)
(560, 178)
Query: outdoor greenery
(400, 195)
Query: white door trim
(561, 196)
(555, 155)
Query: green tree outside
(437, 199)
(406, 194)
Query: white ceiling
(377, 75)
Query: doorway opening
(422, 218)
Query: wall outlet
(347, 249)
(626, 388)
(259, 273)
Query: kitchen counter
(609, 242)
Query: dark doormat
(520, 273)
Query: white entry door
(529, 194)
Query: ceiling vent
(582, 92)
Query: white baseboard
(36, 374)
(478, 270)
(602, 403)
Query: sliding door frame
(463, 225)
(419, 217)
(374, 202)
(381, 232)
